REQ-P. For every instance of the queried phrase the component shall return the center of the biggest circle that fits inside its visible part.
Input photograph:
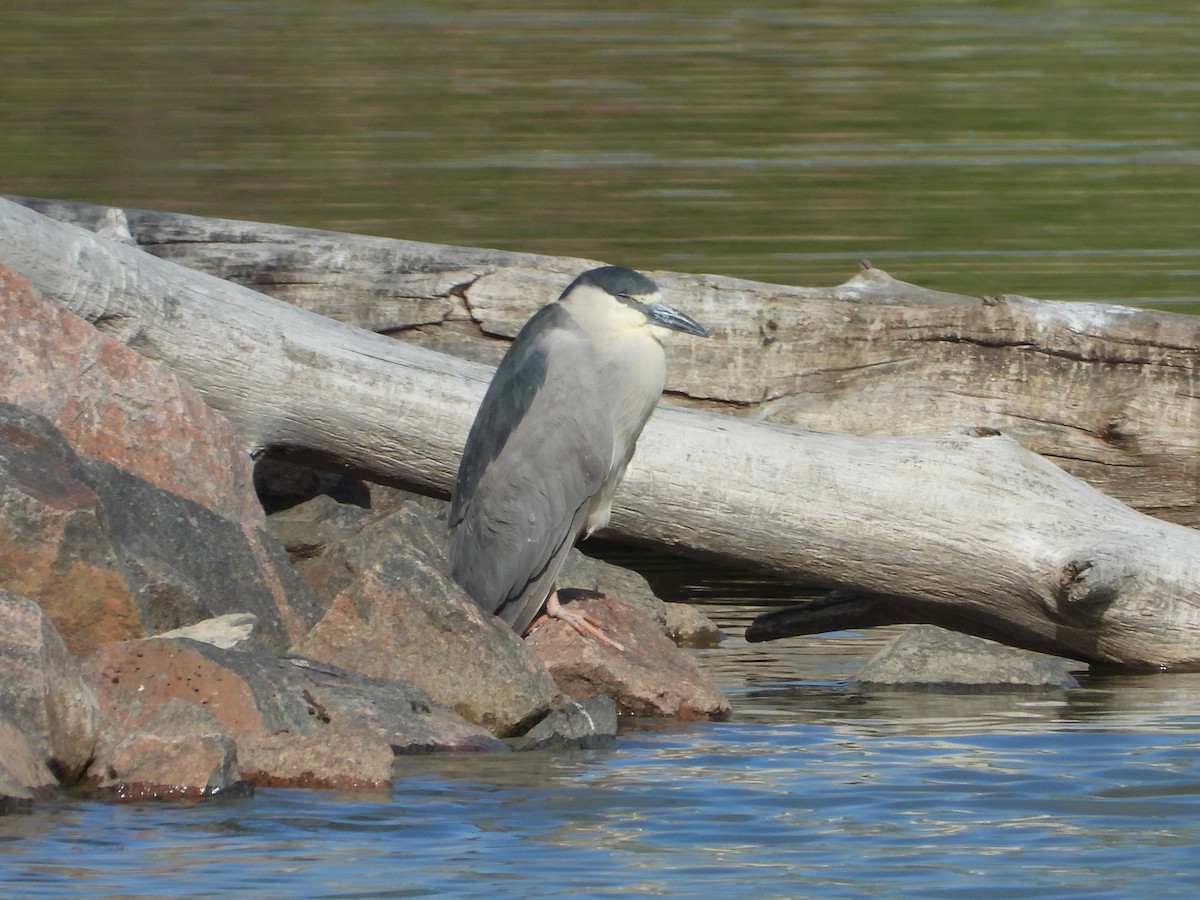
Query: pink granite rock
(112, 403)
(651, 677)
(181, 753)
(110, 557)
(293, 721)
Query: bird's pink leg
(586, 625)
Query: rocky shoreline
(162, 637)
(177, 622)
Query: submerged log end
(836, 611)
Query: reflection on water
(1045, 149)
(811, 787)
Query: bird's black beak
(660, 313)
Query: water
(1047, 149)
(811, 789)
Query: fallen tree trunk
(1107, 392)
(969, 531)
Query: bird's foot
(586, 625)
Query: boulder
(42, 692)
(925, 656)
(325, 517)
(585, 573)
(109, 556)
(590, 724)
(24, 775)
(293, 721)
(688, 627)
(307, 528)
(581, 571)
(180, 753)
(396, 614)
(111, 403)
(184, 563)
(651, 677)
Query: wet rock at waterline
(688, 627)
(385, 625)
(589, 724)
(402, 617)
(926, 656)
(394, 613)
(24, 775)
(293, 721)
(651, 677)
(43, 694)
(180, 753)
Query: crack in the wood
(718, 401)
(862, 367)
(462, 290)
(1107, 433)
(107, 320)
(1096, 462)
(1074, 356)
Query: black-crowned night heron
(552, 438)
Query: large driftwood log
(1107, 392)
(969, 531)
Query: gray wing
(536, 455)
(515, 383)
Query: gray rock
(42, 691)
(395, 614)
(15, 797)
(184, 563)
(926, 656)
(688, 627)
(589, 724)
(307, 528)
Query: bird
(552, 438)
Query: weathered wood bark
(1107, 392)
(969, 530)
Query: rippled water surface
(811, 789)
(1050, 149)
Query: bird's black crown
(616, 280)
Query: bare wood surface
(967, 530)
(1107, 392)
